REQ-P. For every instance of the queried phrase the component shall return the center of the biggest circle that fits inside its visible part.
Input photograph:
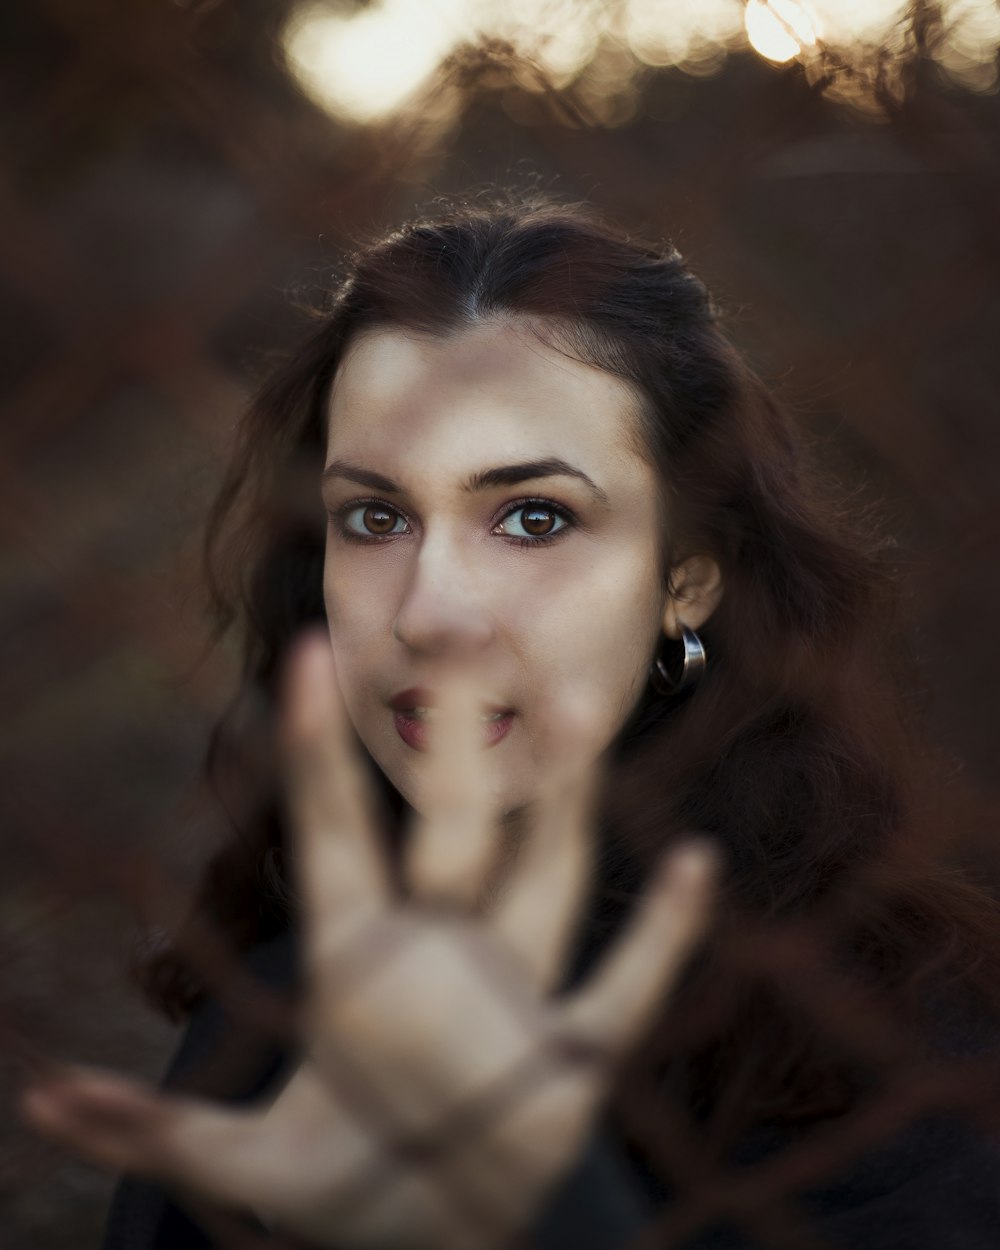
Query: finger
(126, 1126)
(341, 876)
(615, 1006)
(454, 838)
(539, 910)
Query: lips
(415, 709)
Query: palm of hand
(442, 1089)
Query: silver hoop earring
(692, 669)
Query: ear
(695, 592)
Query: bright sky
(364, 64)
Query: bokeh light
(780, 29)
(974, 30)
(362, 63)
(660, 32)
(365, 66)
(855, 24)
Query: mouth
(416, 710)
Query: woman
(574, 572)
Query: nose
(444, 609)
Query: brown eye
(378, 520)
(372, 520)
(537, 521)
(534, 521)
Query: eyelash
(563, 513)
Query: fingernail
(694, 861)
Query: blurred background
(177, 174)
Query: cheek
(357, 596)
(353, 613)
(609, 672)
(594, 655)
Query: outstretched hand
(443, 1088)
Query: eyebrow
(500, 475)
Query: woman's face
(487, 503)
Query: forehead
(490, 390)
